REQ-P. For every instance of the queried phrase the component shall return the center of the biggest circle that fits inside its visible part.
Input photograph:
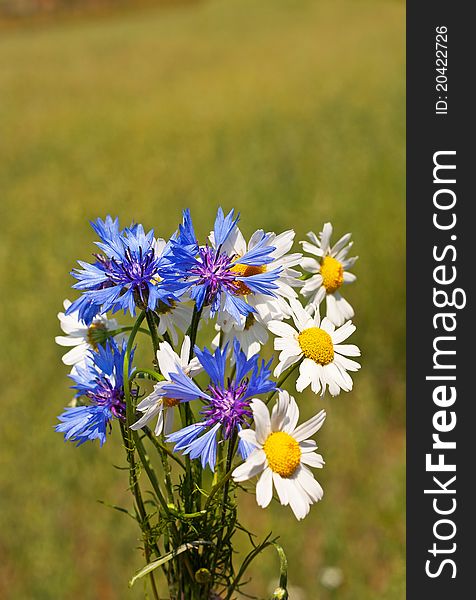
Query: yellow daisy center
(246, 271)
(169, 402)
(283, 453)
(332, 274)
(317, 345)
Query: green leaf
(169, 556)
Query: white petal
(75, 355)
(346, 363)
(347, 349)
(309, 428)
(311, 249)
(185, 351)
(310, 485)
(253, 465)
(349, 277)
(312, 459)
(248, 435)
(63, 340)
(264, 488)
(298, 500)
(281, 488)
(344, 308)
(332, 310)
(310, 265)
(343, 332)
(306, 374)
(261, 419)
(285, 364)
(326, 237)
(282, 329)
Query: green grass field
(291, 112)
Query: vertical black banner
(441, 268)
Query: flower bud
(202, 575)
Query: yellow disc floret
(283, 453)
(332, 274)
(317, 345)
(246, 271)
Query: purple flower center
(215, 271)
(228, 406)
(107, 395)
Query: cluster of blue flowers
(134, 271)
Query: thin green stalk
(282, 380)
(226, 488)
(114, 332)
(161, 448)
(193, 329)
(150, 372)
(144, 522)
(153, 330)
(150, 471)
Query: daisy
(83, 337)
(318, 345)
(158, 402)
(227, 402)
(209, 273)
(282, 454)
(328, 273)
(251, 334)
(266, 306)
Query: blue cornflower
(99, 381)
(227, 407)
(129, 273)
(217, 279)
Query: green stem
(193, 329)
(144, 521)
(226, 488)
(150, 471)
(153, 331)
(282, 380)
(114, 332)
(162, 448)
(150, 372)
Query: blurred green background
(293, 113)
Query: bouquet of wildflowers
(205, 414)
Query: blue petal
(185, 436)
(183, 388)
(83, 423)
(237, 307)
(205, 447)
(262, 283)
(259, 254)
(214, 364)
(223, 226)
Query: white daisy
(283, 452)
(157, 403)
(82, 337)
(329, 273)
(251, 333)
(319, 346)
(267, 307)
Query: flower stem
(282, 380)
(130, 449)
